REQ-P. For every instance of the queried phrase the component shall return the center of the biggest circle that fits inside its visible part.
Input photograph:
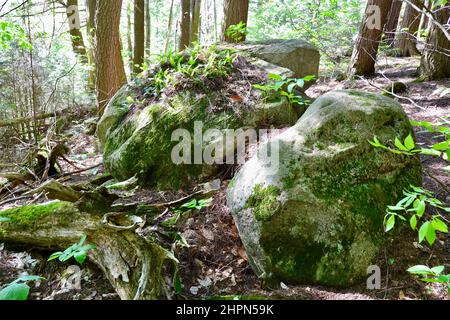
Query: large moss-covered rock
(319, 217)
(294, 54)
(137, 138)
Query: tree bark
(169, 27)
(185, 25)
(129, 39)
(110, 71)
(73, 18)
(435, 63)
(234, 11)
(148, 28)
(91, 6)
(139, 35)
(366, 47)
(195, 21)
(406, 42)
(392, 21)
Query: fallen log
(137, 267)
(16, 121)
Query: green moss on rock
(264, 202)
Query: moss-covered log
(137, 268)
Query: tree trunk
(435, 62)
(169, 27)
(139, 35)
(195, 21)
(73, 17)
(392, 21)
(185, 25)
(406, 42)
(366, 47)
(129, 39)
(137, 268)
(110, 73)
(234, 11)
(91, 6)
(148, 28)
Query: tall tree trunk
(435, 62)
(185, 25)
(234, 11)
(195, 21)
(366, 47)
(139, 35)
(406, 42)
(110, 72)
(392, 21)
(129, 38)
(169, 27)
(73, 18)
(148, 28)
(91, 6)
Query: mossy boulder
(318, 218)
(136, 134)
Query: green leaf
(28, 278)
(439, 225)
(274, 76)
(15, 291)
(55, 255)
(443, 146)
(420, 269)
(430, 152)
(413, 222)
(420, 209)
(438, 270)
(409, 142)
(80, 256)
(4, 219)
(423, 231)
(431, 234)
(390, 223)
(291, 87)
(399, 145)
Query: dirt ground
(215, 263)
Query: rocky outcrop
(318, 218)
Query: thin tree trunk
(235, 11)
(185, 25)
(129, 38)
(435, 62)
(148, 28)
(406, 42)
(110, 72)
(139, 35)
(392, 21)
(169, 27)
(91, 6)
(366, 47)
(73, 18)
(195, 21)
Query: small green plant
(280, 86)
(415, 204)
(179, 212)
(431, 275)
(78, 251)
(237, 32)
(18, 289)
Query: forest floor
(215, 263)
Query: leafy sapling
(78, 251)
(432, 275)
(18, 289)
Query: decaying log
(137, 267)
